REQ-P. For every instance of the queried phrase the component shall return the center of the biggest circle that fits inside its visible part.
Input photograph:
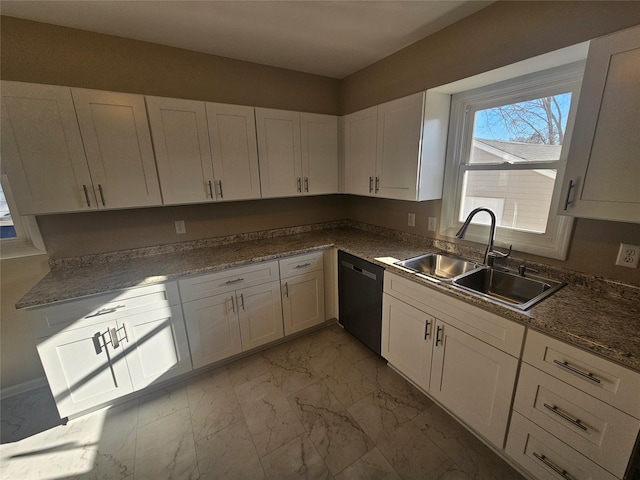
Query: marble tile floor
(321, 406)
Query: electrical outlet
(628, 255)
(432, 224)
(412, 220)
(180, 227)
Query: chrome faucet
(490, 253)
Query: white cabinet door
(303, 301)
(42, 150)
(117, 142)
(603, 170)
(406, 339)
(213, 329)
(181, 144)
(83, 369)
(360, 133)
(232, 132)
(279, 152)
(155, 344)
(260, 314)
(399, 131)
(319, 140)
(473, 380)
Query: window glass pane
(520, 198)
(7, 230)
(527, 131)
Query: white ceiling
(332, 38)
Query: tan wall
(84, 233)
(498, 35)
(19, 362)
(43, 53)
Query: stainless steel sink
(508, 288)
(438, 265)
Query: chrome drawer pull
(231, 282)
(563, 415)
(571, 368)
(114, 337)
(86, 195)
(560, 471)
(567, 201)
(242, 299)
(303, 265)
(438, 332)
(105, 311)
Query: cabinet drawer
(603, 433)
(492, 329)
(101, 308)
(545, 457)
(611, 383)
(228, 280)
(301, 264)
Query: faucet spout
(489, 253)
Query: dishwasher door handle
(361, 271)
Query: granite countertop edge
(575, 314)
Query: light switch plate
(432, 224)
(412, 220)
(628, 255)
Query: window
(19, 235)
(507, 149)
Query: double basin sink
(520, 291)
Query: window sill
(18, 248)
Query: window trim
(554, 243)
(28, 240)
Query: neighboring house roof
(519, 151)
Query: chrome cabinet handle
(242, 299)
(220, 186)
(302, 265)
(427, 324)
(113, 333)
(237, 280)
(96, 343)
(286, 289)
(370, 184)
(438, 332)
(86, 195)
(233, 304)
(105, 311)
(560, 471)
(306, 184)
(561, 414)
(567, 201)
(571, 368)
(101, 195)
(377, 184)
(299, 185)
(210, 189)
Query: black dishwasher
(360, 299)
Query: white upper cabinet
(319, 141)
(603, 166)
(232, 131)
(181, 143)
(298, 153)
(360, 131)
(397, 149)
(42, 150)
(279, 152)
(118, 146)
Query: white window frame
(554, 243)
(28, 240)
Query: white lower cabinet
(98, 349)
(302, 292)
(232, 311)
(406, 339)
(573, 412)
(462, 356)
